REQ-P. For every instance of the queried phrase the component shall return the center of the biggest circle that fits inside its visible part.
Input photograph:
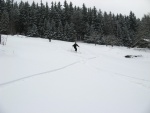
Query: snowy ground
(37, 76)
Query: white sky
(139, 7)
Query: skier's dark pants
(75, 48)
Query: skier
(75, 46)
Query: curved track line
(13, 81)
(119, 74)
(16, 80)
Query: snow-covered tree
(47, 31)
(60, 31)
(33, 32)
(5, 22)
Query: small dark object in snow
(131, 56)
(75, 46)
(128, 56)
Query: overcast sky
(139, 7)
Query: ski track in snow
(50, 71)
(122, 75)
(83, 60)
(10, 52)
(29, 76)
(95, 79)
(139, 81)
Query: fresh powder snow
(38, 76)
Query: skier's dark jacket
(75, 45)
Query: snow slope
(37, 76)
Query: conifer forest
(67, 22)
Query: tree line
(70, 23)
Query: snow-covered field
(38, 76)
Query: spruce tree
(145, 26)
(84, 21)
(33, 32)
(53, 29)
(47, 30)
(133, 28)
(2, 6)
(24, 17)
(60, 31)
(66, 32)
(5, 22)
